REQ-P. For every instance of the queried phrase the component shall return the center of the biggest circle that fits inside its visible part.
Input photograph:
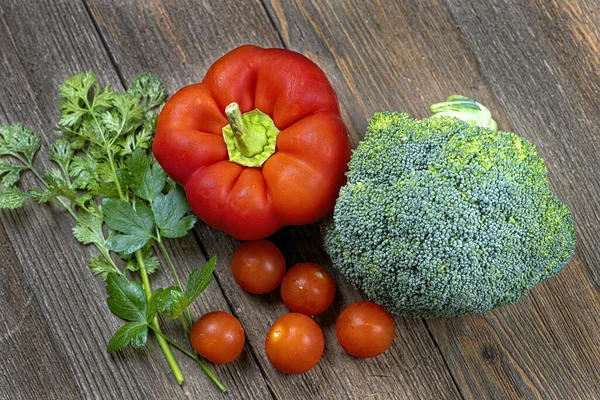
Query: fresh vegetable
(440, 218)
(307, 288)
(294, 343)
(258, 144)
(258, 266)
(365, 329)
(218, 336)
(119, 197)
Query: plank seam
(232, 308)
(113, 62)
(272, 21)
(437, 346)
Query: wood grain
(538, 58)
(413, 368)
(42, 44)
(533, 62)
(407, 55)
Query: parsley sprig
(122, 202)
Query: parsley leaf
(11, 197)
(10, 173)
(148, 177)
(149, 90)
(134, 224)
(19, 142)
(89, 229)
(132, 333)
(62, 153)
(169, 213)
(200, 279)
(99, 266)
(126, 298)
(151, 262)
(172, 302)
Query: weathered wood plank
(42, 44)
(187, 39)
(413, 53)
(24, 346)
(541, 61)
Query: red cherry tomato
(218, 336)
(307, 288)
(294, 343)
(258, 266)
(365, 329)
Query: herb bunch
(122, 202)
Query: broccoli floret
(440, 218)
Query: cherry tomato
(365, 329)
(294, 343)
(258, 266)
(218, 336)
(307, 288)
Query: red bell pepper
(258, 144)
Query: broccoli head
(440, 218)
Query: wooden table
(535, 64)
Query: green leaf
(82, 99)
(171, 302)
(140, 140)
(149, 90)
(200, 279)
(75, 95)
(84, 171)
(132, 333)
(169, 213)
(10, 173)
(11, 197)
(39, 195)
(19, 142)
(126, 298)
(122, 217)
(61, 153)
(124, 117)
(89, 229)
(99, 266)
(148, 177)
(126, 244)
(58, 186)
(150, 261)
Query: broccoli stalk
(442, 218)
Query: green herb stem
(192, 356)
(165, 253)
(113, 168)
(43, 181)
(106, 255)
(154, 325)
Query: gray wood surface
(534, 63)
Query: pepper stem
(234, 116)
(250, 137)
